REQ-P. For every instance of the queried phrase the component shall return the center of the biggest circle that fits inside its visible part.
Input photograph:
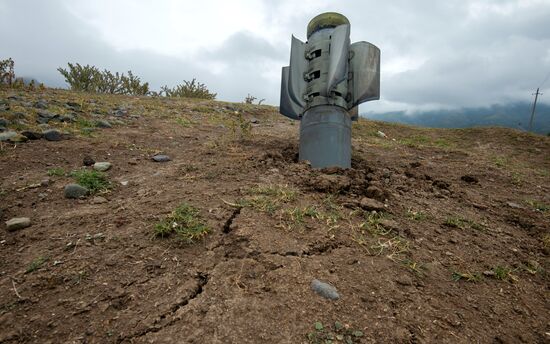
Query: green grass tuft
(57, 171)
(36, 264)
(92, 180)
(185, 221)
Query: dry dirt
(460, 253)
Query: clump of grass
(500, 161)
(268, 198)
(538, 206)
(94, 181)
(36, 264)
(416, 215)
(295, 217)
(184, 122)
(336, 333)
(185, 222)
(416, 267)
(467, 276)
(415, 141)
(503, 273)
(462, 223)
(57, 171)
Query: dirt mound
(431, 236)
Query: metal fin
(298, 66)
(365, 69)
(287, 106)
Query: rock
(514, 205)
(4, 122)
(41, 104)
(75, 191)
(441, 184)
(120, 112)
(17, 223)
(371, 204)
(88, 161)
(8, 135)
(103, 124)
(45, 182)
(53, 135)
(469, 179)
(389, 224)
(18, 138)
(375, 192)
(254, 120)
(124, 183)
(99, 200)
(102, 166)
(44, 117)
(32, 135)
(404, 280)
(381, 134)
(325, 290)
(161, 158)
(66, 118)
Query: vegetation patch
(185, 222)
(467, 276)
(94, 181)
(57, 172)
(336, 333)
(36, 264)
(462, 223)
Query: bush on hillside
(189, 89)
(7, 74)
(90, 79)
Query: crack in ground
(202, 280)
(227, 226)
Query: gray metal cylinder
(325, 137)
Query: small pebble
(161, 158)
(18, 223)
(325, 290)
(102, 166)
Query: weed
(185, 221)
(416, 215)
(503, 273)
(499, 161)
(417, 268)
(184, 122)
(517, 178)
(467, 276)
(538, 206)
(462, 223)
(92, 180)
(337, 333)
(84, 123)
(295, 217)
(546, 241)
(36, 264)
(241, 126)
(57, 171)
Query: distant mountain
(515, 115)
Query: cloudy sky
(435, 54)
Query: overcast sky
(435, 54)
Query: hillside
(433, 235)
(514, 115)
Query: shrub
(189, 89)
(7, 74)
(90, 79)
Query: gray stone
(103, 124)
(41, 104)
(371, 204)
(66, 118)
(102, 166)
(53, 135)
(18, 138)
(121, 112)
(75, 191)
(4, 122)
(88, 161)
(5, 136)
(99, 200)
(18, 223)
(32, 135)
(45, 117)
(161, 158)
(325, 290)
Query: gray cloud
(434, 53)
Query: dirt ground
(457, 253)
